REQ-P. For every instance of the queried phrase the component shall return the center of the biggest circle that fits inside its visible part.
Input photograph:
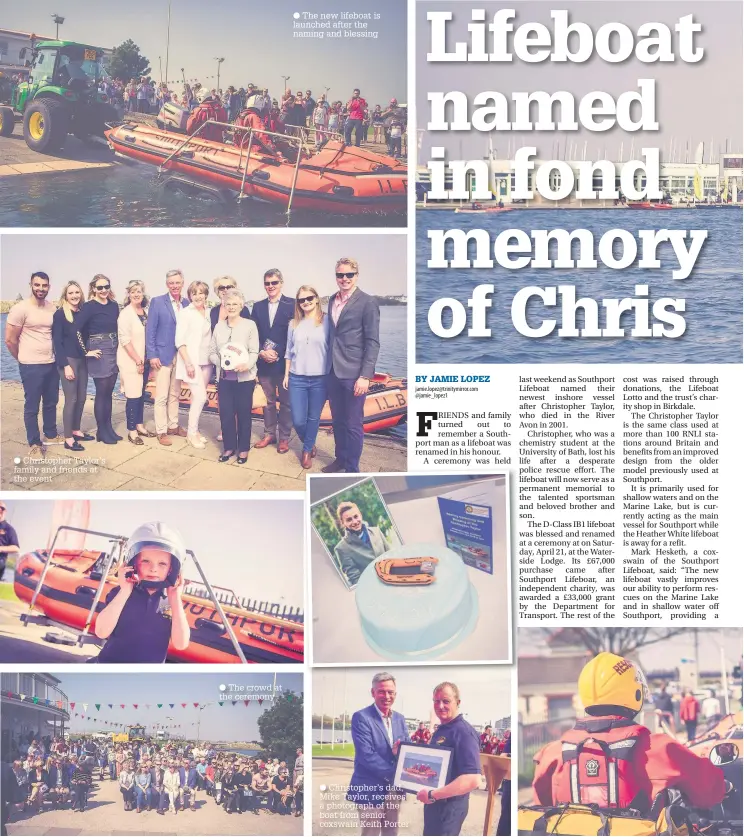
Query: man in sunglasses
(355, 344)
(8, 539)
(28, 338)
(272, 316)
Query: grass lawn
(338, 751)
(7, 593)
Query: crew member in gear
(209, 108)
(145, 612)
(611, 760)
(256, 108)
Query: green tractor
(61, 96)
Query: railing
(300, 141)
(228, 597)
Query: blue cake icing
(421, 622)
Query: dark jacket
(276, 332)
(355, 339)
(65, 769)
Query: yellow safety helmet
(612, 685)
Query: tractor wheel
(7, 121)
(45, 124)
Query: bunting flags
(98, 706)
(72, 705)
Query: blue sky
(228, 722)
(255, 39)
(252, 546)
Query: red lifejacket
(600, 764)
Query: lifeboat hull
(338, 179)
(69, 589)
(386, 404)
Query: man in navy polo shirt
(447, 807)
(145, 612)
(8, 539)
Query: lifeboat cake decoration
(424, 617)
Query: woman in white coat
(193, 336)
(134, 367)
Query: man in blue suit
(377, 733)
(160, 349)
(272, 316)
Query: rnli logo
(440, 740)
(592, 768)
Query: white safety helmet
(258, 102)
(161, 536)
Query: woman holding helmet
(144, 614)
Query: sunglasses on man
(222, 288)
(272, 284)
(345, 275)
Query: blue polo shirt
(142, 633)
(446, 816)
(464, 741)
(8, 536)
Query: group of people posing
(298, 354)
(155, 776)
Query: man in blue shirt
(8, 539)
(377, 733)
(447, 807)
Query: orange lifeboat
(339, 178)
(386, 404)
(265, 634)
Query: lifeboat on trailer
(386, 404)
(74, 576)
(340, 178)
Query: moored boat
(385, 406)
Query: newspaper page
(578, 324)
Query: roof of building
(547, 671)
(25, 34)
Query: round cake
(405, 621)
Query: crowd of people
(151, 776)
(298, 354)
(356, 120)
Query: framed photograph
(422, 766)
(355, 527)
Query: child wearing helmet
(144, 614)
(610, 760)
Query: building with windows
(32, 706)
(15, 49)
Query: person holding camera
(234, 353)
(144, 613)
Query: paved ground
(333, 815)
(17, 158)
(127, 467)
(106, 815)
(21, 643)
